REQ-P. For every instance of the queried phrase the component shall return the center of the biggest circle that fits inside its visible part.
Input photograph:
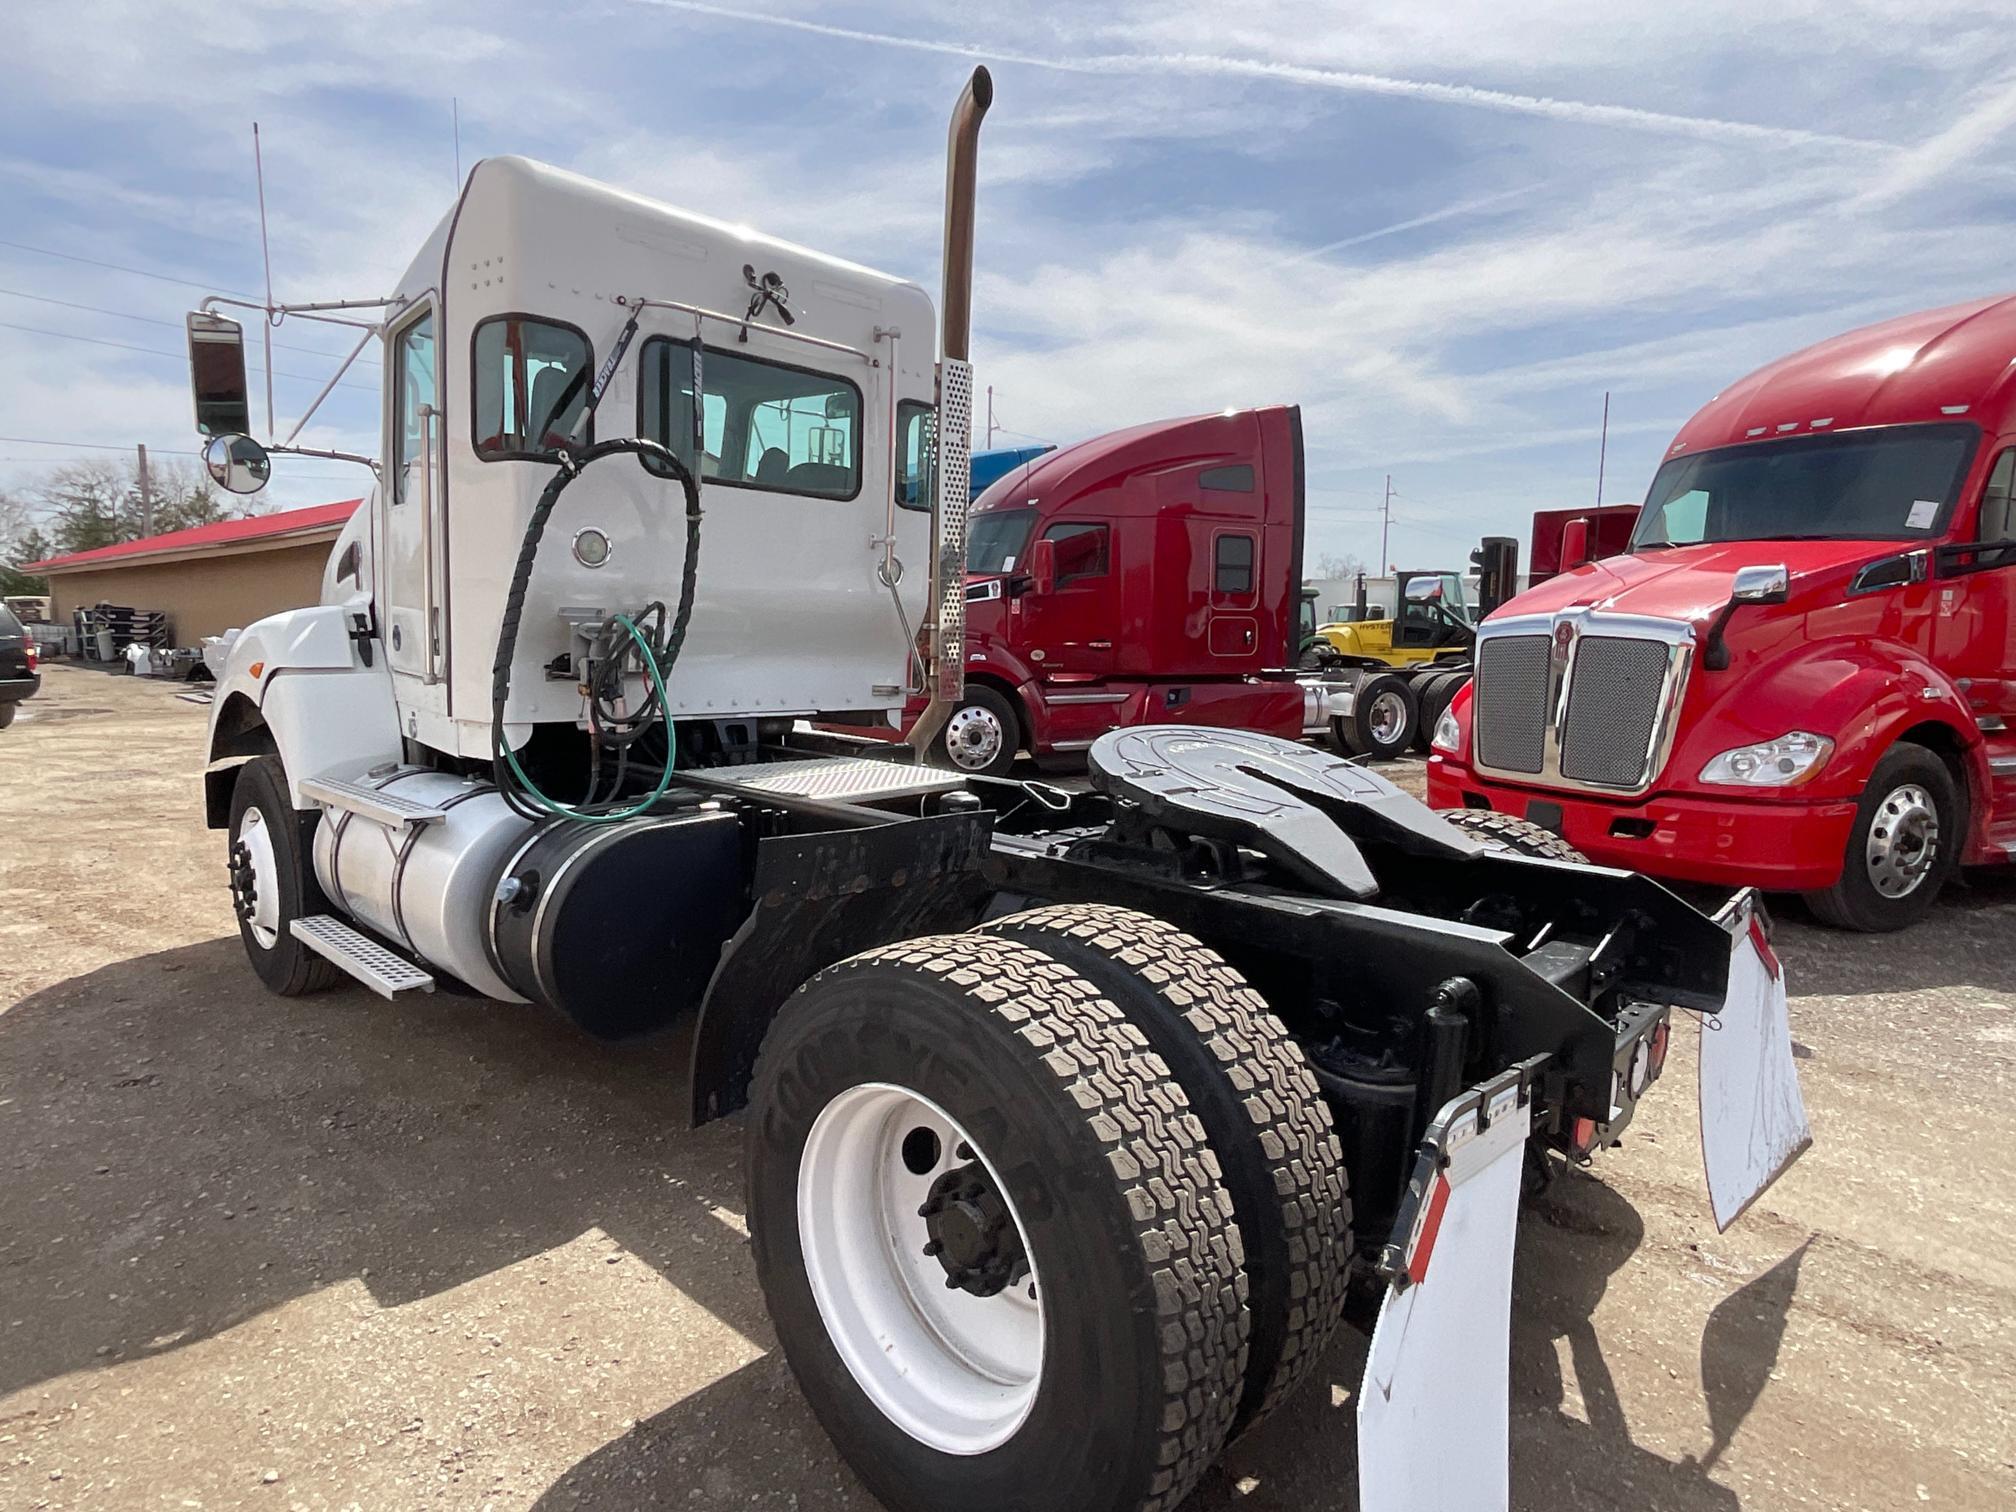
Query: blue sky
(1445, 230)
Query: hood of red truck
(1690, 583)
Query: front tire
(1904, 845)
(1065, 1144)
(272, 883)
(1520, 836)
(982, 736)
(7, 714)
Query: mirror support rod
(334, 378)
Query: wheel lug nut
(934, 1248)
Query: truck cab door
(1069, 630)
(408, 565)
(1977, 628)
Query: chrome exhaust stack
(946, 624)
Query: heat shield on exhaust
(1753, 1120)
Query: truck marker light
(1662, 1041)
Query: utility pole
(1602, 448)
(1385, 526)
(990, 417)
(146, 497)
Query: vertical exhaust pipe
(947, 617)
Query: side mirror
(217, 375)
(237, 464)
(1574, 544)
(1043, 565)
(1760, 585)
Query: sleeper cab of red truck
(1148, 576)
(1801, 673)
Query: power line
(187, 283)
(89, 446)
(127, 346)
(171, 324)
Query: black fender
(818, 898)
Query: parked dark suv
(18, 677)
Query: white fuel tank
(426, 887)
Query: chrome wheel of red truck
(1900, 851)
(982, 735)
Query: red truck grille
(1622, 677)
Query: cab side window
(1081, 551)
(1996, 498)
(1232, 566)
(413, 367)
(531, 387)
(916, 454)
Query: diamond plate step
(388, 809)
(372, 964)
(838, 779)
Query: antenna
(266, 256)
(1602, 448)
(455, 105)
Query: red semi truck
(1801, 672)
(1148, 576)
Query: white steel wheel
(255, 879)
(920, 1268)
(976, 1098)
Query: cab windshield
(1896, 483)
(997, 540)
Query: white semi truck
(1074, 1122)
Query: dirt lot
(351, 1254)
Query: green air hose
(518, 789)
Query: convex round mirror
(237, 464)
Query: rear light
(1662, 1038)
(1581, 1137)
(34, 654)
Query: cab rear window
(765, 425)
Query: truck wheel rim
(1903, 841)
(954, 1369)
(255, 879)
(974, 738)
(1389, 718)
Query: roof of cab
(582, 202)
(1192, 438)
(1952, 363)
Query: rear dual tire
(1166, 1169)
(1384, 715)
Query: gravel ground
(350, 1254)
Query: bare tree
(1333, 566)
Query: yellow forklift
(1411, 663)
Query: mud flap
(1434, 1412)
(1753, 1120)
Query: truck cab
(1799, 674)
(1148, 576)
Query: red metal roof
(224, 533)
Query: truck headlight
(1448, 736)
(1784, 762)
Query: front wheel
(993, 1240)
(982, 736)
(272, 883)
(1905, 844)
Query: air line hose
(519, 790)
